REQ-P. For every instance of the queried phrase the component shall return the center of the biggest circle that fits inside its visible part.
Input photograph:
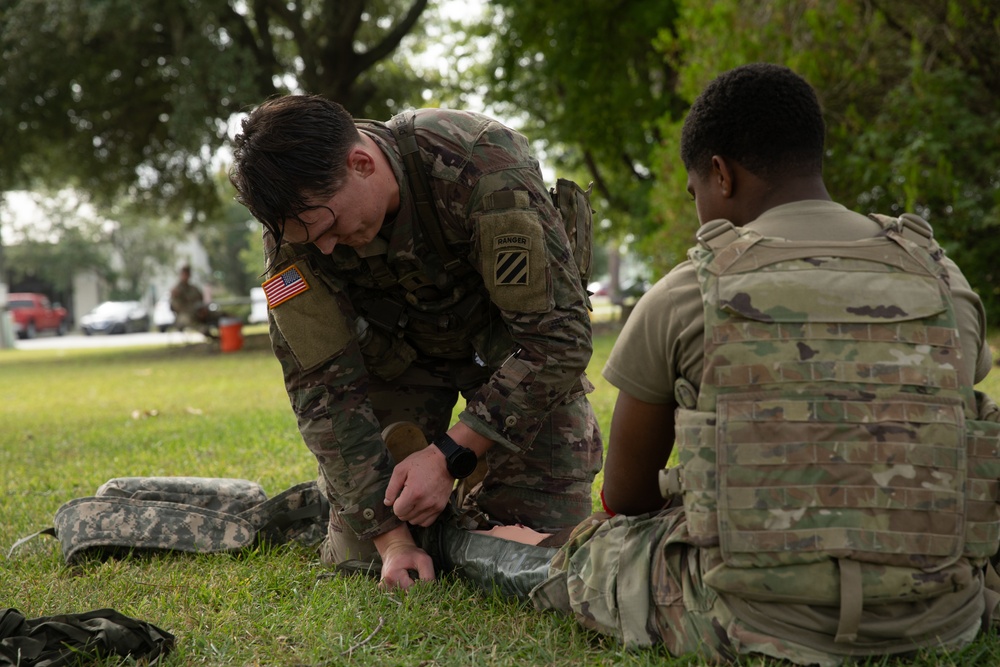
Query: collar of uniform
(813, 219)
(401, 242)
(377, 246)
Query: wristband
(605, 505)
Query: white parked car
(163, 316)
(115, 317)
(258, 306)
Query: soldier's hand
(401, 558)
(420, 487)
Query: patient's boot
(403, 439)
(492, 563)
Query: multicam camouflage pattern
(547, 487)
(839, 425)
(514, 343)
(639, 579)
(835, 456)
(696, 602)
(192, 514)
(636, 579)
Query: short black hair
(292, 151)
(764, 116)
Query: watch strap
(446, 444)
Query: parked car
(34, 313)
(163, 316)
(258, 306)
(115, 317)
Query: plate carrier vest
(834, 455)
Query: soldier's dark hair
(764, 116)
(292, 152)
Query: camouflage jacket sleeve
(335, 418)
(496, 189)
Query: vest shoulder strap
(402, 126)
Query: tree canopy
(132, 99)
(910, 98)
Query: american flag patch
(284, 286)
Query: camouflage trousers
(639, 580)
(627, 577)
(549, 487)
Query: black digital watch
(461, 460)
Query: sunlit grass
(72, 420)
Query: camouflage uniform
(387, 333)
(758, 559)
(186, 300)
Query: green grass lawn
(72, 420)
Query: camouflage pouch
(573, 203)
(192, 514)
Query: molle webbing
(802, 480)
(826, 401)
(833, 424)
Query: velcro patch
(284, 286)
(515, 261)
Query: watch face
(462, 463)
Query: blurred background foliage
(130, 105)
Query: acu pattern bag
(193, 514)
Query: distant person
(187, 300)
(836, 493)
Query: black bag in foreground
(78, 639)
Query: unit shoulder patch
(512, 259)
(515, 262)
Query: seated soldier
(190, 309)
(836, 493)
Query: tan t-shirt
(663, 338)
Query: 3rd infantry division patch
(512, 267)
(512, 259)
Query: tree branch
(260, 46)
(392, 38)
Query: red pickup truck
(33, 313)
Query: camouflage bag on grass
(193, 514)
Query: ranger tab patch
(282, 287)
(512, 253)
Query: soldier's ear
(361, 161)
(723, 176)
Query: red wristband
(605, 505)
